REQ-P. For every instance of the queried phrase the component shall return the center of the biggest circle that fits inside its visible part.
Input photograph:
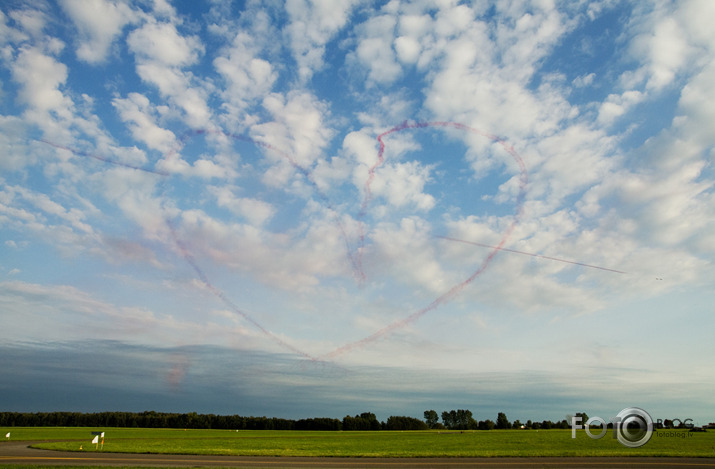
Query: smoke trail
(183, 249)
(305, 172)
(102, 159)
(523, 180)
(218, 293)
(356, 258)
(456, 289)
(557, 259)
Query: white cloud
(312, 24)
(140, 115)
(299, 127)
(33, 21)
(403, 184)
(662, 46)
(282, 261)
(407, 49)
(696, 121)
(374, 49)
(162, 43)
(99, 23)
(583, 80)
(256, 211)
(249, 77)
(362, 148)
(482, 82)
(40, 77)
(17, 154)
(267, 208)
(67, 228)
(74, 312)
(569, 161)
(407, 253)
(161, 53)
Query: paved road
(19, 453)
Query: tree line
(452, 420)
(463, 419)
(151, 419)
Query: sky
(321, 208)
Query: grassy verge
(495, 443)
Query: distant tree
(460, 419)
(364, 421)
(583, 415)
(486, 425)
(372, 419)
(547, 424)
(502, 421)
(319, 424)
(448, 418)
(431, 418)
(404, 423)
(517, 424)
(465, 421)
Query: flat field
(493, 443)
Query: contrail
(557, 259)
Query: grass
(519, 443)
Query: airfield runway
(20, 453)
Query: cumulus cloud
(312, 24)
(374, 50)
(99, 23)
(272, 223)
(248, 77)
(256, 211)
(162, 43)
(41, 77)
(140, 115)
(161, 53)
(298, 127)
(403, 184)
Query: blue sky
(302, 209)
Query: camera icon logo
(632, 427)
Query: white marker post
(7, 436)
(95, 441)
(102, 435)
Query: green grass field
(365, 444)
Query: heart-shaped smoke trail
(354, 255)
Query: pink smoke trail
(103, 159)
(456, 289)
(421, 125)
(305, 172)
(183, 249)
(557, 259)
(218, 293)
